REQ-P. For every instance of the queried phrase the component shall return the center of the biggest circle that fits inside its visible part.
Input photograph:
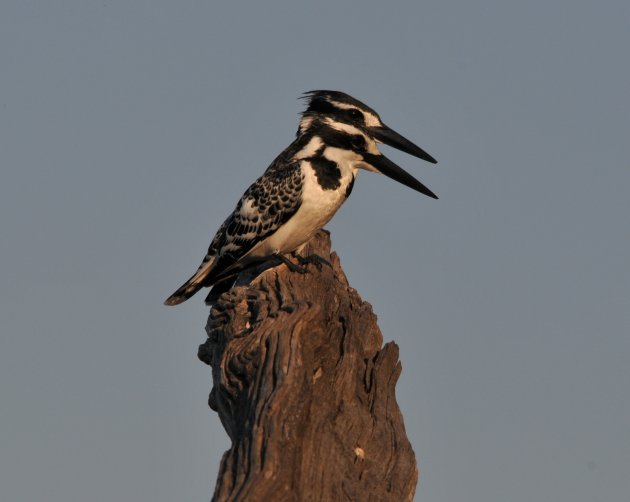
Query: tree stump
(306, 391)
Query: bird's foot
(316, 260)
(290, 265)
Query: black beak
(383, 165)
(390, 137)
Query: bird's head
(354, 129)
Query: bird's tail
(192, 285)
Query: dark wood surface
(306, 391)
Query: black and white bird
(302, 189)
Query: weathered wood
(306, 391)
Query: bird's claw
(314, 259)
(290, 265)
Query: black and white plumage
(302, 188)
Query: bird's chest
(326, 187)
(323, 192)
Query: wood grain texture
(306, 390)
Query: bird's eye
(355, 114)
(358, 142)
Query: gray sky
(128, 130)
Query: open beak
(382, 164)
(390, 137)
(385, 166)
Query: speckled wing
(266, 205)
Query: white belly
(318, 207)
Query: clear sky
(128, 130)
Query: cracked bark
(306, 391)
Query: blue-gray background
(128, 129)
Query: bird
(302, 189)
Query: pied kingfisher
(302, 189)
